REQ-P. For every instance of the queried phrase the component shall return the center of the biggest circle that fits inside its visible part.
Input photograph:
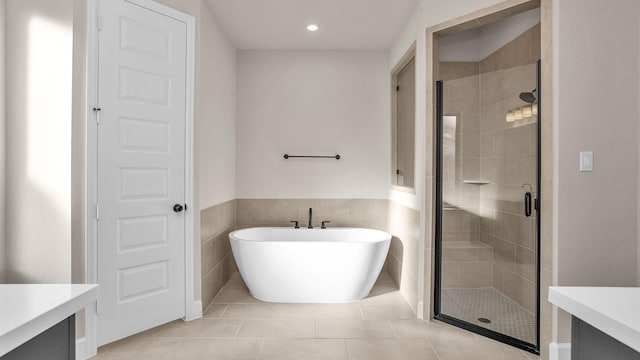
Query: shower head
(528, 97)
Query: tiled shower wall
(467, 263)
(403, 258)
(217, 261)
(487, 241)
(381, 214)
(508, 162)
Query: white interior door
(141, 169)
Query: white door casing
(144, 163)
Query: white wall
(78, 145)
(214, 114)
(215, 105)
(2, 142)
(428, 13)
(638, 199)
(597, 93)
(596, 73)
(216, 129)
(476, 44)
(38, 128)
(313, 103)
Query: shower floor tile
(236, 326)
(506, 316)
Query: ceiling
(281, 24)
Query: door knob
(178, 208)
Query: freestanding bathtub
(290, 265)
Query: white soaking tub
(288, 265)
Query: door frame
(432, 43)
(193, 305)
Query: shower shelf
(476, 182)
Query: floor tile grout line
(334, 314)
(239, 327)
(226, 307)
(393, 329)
(173, 348)
(260, 348)
(346, 348)
(433, 348)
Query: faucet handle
(295, 224)
(323, 226)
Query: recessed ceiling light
(313, 27)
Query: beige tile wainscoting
(237, 326)
(217, 261)
(402, 222)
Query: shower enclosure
(487, 220)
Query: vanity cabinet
(605, 321)
(589, 343)
(37, 321)
(56, 343)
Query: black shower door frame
(439, 118)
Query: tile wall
(403, 259)
(402, 222)
(508, 162)
(217, 262)
(467, 263)
(341, 212)
(487, 240)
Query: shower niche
(487, 186)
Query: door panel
(487, 179)
(141, 171)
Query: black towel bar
(287, 156)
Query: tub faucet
(310, 218)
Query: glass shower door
(487, 215)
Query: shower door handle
(527, 204)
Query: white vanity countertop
(613, 310)
(28, 310)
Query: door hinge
(98, 307)
(99, 22)
(397, 172)
(398, 88)
(97, 111)
(97, 212)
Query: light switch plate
(586, 161)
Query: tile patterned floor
(507, 317)
(237, 326)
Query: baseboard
(560, 351)
(194, 311)
(81, 348)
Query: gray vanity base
(589, 343)
(56, 343)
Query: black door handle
(527, 204)
(178, 208)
